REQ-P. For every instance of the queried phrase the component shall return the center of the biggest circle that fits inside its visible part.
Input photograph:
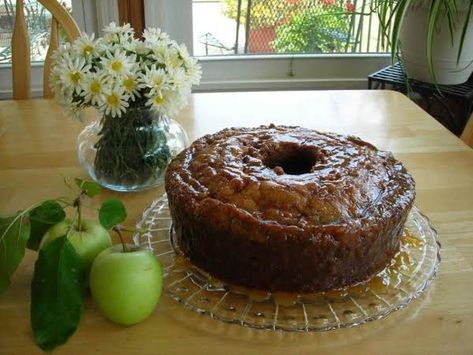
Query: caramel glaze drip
(401, 266)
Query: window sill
(255, 72)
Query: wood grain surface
(38, 148)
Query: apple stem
(120, 235)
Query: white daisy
(115, 101)
(93, 88)
(155, 78)
(73, 73)
(55, 80)
(144, 63)
(159, 51)
(153, 35)
(117, 34)
(64, 51)
(71, 108)
(172, 58)
(194, 72)
(178, 77)
(118, 63)
(163, 102)
(141, 48)
(132, 85)
(116, 71)
(130, 45)
(183, 52)
(86, 46)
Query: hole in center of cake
(294, 161)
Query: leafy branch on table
(60, 276)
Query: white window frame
(90, 15)
(263, 72)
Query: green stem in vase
(132, 148)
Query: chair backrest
(467, 135)
(21, 70)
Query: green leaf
(57, 294)
(90, 188)
(434, 14)
(112, 213)
(464, 31)
(14, 232)
(42, 218)
(402, 7)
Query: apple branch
(78, 205)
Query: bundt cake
(282, 208)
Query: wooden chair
(21, 70)
(467, 135)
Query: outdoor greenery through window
(229, 27)
(38, 20)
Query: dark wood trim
(132, 12)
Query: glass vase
(131, 152)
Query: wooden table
(38, 148)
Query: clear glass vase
(131, 152)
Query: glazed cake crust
(287, 208)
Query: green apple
(88, 240)
(126, 285)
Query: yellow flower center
(95, 87)
(175, 61)
(117, 65)
(113, 100)
(157, 81)
(129, 84)
(88, 49)
(158, 100)
(75, 77)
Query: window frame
(90, 16)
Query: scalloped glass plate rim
(415, 216)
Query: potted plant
(434, 37)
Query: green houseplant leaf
(401, 9)
(57, 294)
(112, 213)
(465, 28)
(42, 218)
(433, 18)
(14, 232)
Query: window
(242, 44)
(90, 15)
(229, 27)
(38, 21)
(241, 52)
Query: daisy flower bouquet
(137, 86)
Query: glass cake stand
(409, 274)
